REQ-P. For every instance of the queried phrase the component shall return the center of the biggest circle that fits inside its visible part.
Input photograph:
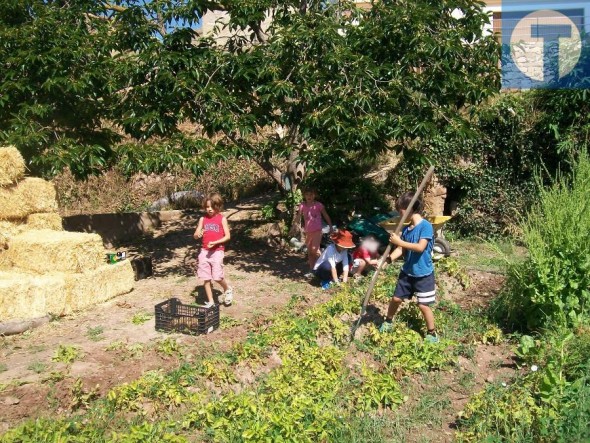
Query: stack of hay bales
(43, 269)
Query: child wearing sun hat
(334, 261)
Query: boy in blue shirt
(417, 274)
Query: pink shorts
(210, 265)
(313, 240)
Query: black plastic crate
(173, 316)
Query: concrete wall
(117, 227)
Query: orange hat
(343, 238)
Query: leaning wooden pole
(398, 229)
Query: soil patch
(116, 347)
(113, 349)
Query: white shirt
(332, 256)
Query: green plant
(269, 211)
(116, 346)
(466, 381)
(66, 354)
(552, 286)
(226, 322)
(169, 347)
(377, 390)
(134, 350)
(3, 367)
(37, 367)
(54, 377)
(404, 350)
(451, 267)
(81, 397)
(544, 403)
(140, 318)
(95, 334)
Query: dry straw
(45, 220)
(8, 230)
(45, 251)
(25, 296)
(98, 285)
(30, 196)
(12, 165)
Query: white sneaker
(221, 299)
(228, 296)
(208, 304)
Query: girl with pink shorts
(214, 230)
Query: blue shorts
(423, 287)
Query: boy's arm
(223, 239)
(199, 231)
(397, 253)
(416, 247)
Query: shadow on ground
(174, 250)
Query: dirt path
(114, 350)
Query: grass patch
(141, 317)
(95, 334)
(424, 412)
(226, 322)
(3, 367)
(486, 256)
(37, 367)
(66, 354)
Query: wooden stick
(398, 229)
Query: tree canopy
(319, 82)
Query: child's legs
(324, 272)
(217, 268)
(208, 290)
(204, 272)
(394, 305)
(359, 266)
(428, 316)
(403, 291)
(425, 289)
(312, 241)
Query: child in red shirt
(214, 230)
(365, 255)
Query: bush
(548, 403)
(552, 286)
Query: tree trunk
(18, 327)
(289, 178)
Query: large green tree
(323, 82)
(56, 86)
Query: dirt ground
(114, 349)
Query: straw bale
(98, 285)
(45, 220)
(26, 296)
(45, 251)
(27, 197)
(9, 229)
(12, 165)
